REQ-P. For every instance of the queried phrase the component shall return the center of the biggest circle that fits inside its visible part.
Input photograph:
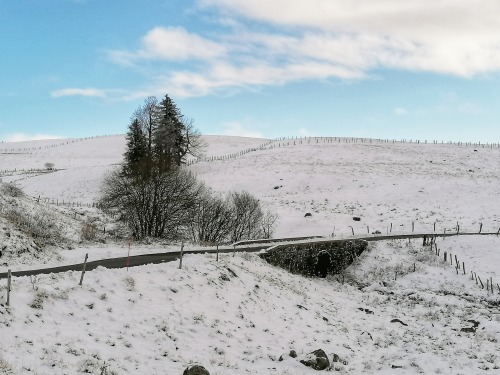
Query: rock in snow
(195, 370)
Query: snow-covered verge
(240, 315)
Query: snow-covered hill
(332, 178)
(240, 315)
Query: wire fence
(294, 141)
(17, 150)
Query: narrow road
(122, 262)
(139, 260)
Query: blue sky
(422, 69)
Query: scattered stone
(301, 307)
(325, 319)
(318, 360)
(468, 329)
(474, 322)
(292, 354)
(398, 321)
(195, 370)
(377, 232)
(396, 366)
(336, 358)
(472, 329)
(366, 310)
(308, 214)
(356, 218)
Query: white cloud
(241, 130)
(78, 92)
(21, 137)
(170, 43)
(313, 40)
(459, 37)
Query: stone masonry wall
(316, 259)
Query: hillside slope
(334, 179)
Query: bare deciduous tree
(158, 205)
(211, 219)
(268, 224)
(246, 216)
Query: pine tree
(168, 135)
(136, 157)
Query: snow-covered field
(240, 315)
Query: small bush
(129, 283)
(37, 302)
(12, 190)
(5, 367)
(41, 226)
(88, 232)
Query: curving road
(139, 260)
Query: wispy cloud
(21, 137)
(78, 92)
(275, 42)
(171, 44)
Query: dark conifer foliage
(160, 137)
(137, 153)
(157, 198)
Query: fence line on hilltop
(16, 150)
(293, 141)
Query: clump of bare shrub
(10, 189)
(175, 205)
(41, 226)
(89, 231)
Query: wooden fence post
(9, 280)
(84, 267)
(182, 253)
(480, 227)
(217, 258)
(234, 250)
(482, 285)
